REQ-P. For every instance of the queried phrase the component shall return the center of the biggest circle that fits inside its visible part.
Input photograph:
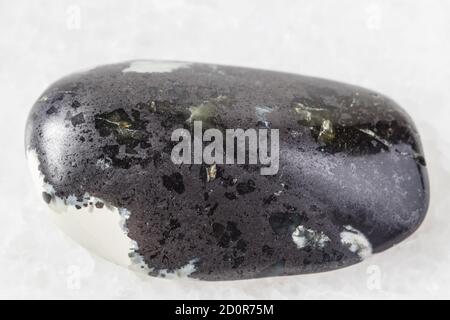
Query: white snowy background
(398, 47)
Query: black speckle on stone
(289, 207)
(211, 209)
(226, 235)
(420, 160)
(218, 229)
(238, 261)
(227, 257)
(76, 104)
(246, 187)
(99, 205)
(156, 158)
(241, 245)
(174, 182)
(231, 195)
(227, 180)
(168, 147)
(47, 197)
(232, 229)
(111, 150)
(268, 200)
(284, 222)
(59, 96)
(129, 131)
(266, 250)
(52, 110)
(174, 224)
(124, 161)
(222, 236)
(202, 172)
(145, 145)
(78, 119)
(224, 240)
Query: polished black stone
(352, 176)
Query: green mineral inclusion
(316, 117)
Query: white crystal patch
(101, 230)
(181, 273)
(151, 66)
(303, 237)
(356, 242)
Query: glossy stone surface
(352, 176)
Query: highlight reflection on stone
(352, 178)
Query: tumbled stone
(351, 181)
